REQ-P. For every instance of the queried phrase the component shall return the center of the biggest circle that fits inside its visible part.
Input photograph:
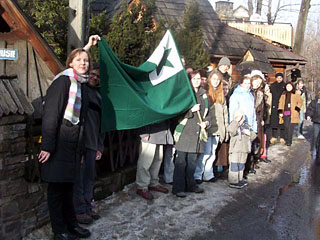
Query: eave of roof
(26, 27)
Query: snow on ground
(127, 216)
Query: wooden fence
(280, 33)
(121, 150)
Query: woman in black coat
(62, 123)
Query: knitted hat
(224, 61)
(279, 74)
(257, 73)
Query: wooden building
(223, 40)
(27, 66)
(36, 64)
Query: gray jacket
(190, 137)
(219, 121)
(239, 142)
(158, 133)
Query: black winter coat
(313, 110)
(93, 139)
(276, 90)
(59, 136)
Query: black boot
(80, 232)
(65, 236)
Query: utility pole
(301, 27)
(78, 24)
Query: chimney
(224, 9)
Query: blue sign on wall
(8, 54)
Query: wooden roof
(220, 39)
(102, 5)
(12, 98)
(255, 59)
(22, 28)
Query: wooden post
(78, 23)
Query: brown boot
(282, 141)
(273, 140)
(158, 188)
(145, 193)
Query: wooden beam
(14, 96)
(11, 37)
(26, 105)
(6, 16)
(6, 102)
(289, 62)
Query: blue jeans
(83, 187)
(184, 166)
(316, 130)
(204, 169)
(300, 124)
(168, 164)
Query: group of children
(237, 121)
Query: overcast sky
(289, 15)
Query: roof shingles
(12, 97)
(222, 39)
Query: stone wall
(23, 205)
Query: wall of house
(271, 76)
(241, 13)
(23, 205)
(278, 67)
(25, 68)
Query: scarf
(182, 123)
(287, 103)
(72, 111)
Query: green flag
(133, 97)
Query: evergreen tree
(51, 18)
(190, 38)
(134, 34)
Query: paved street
(280, 202)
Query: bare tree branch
(269, 12)
(250, 6)
(301, 27)
(276, 13)
(259, 7)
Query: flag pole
(203, 131)
(199, 116)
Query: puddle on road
(300, 178)
(303, 175)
